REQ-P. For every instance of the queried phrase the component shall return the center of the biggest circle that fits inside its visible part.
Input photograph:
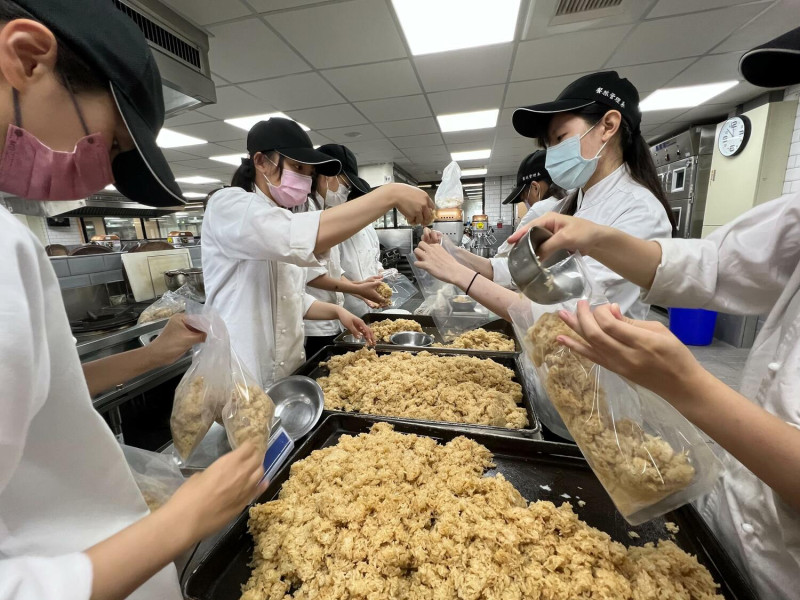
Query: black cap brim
(356, 182)
(771, 67)
(143, 174)
(532, 121)
(516, 195)
(324, 164)
(359, 190)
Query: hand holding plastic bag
(156, 475)
(171, 303)
(450, 194)
(402, 290)
(248, 413)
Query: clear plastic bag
(249, 411)
(205, 386)
(171, 303)
(402, 288)
(450, 194)
(187, 290)
(156, 475)
(648, 457)
(452, 311)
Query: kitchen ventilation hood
(180, 50)
(100, 205)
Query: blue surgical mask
(566, 165)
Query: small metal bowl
(298, 404)
(411, 338)
(351, 339)
(462, 303)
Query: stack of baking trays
(427, 478)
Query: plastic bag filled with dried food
(156, 475)
(649, 458)
(248, 412)
(400, 291)
(206, 384)
(169, 304)
(450, 194)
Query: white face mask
(338, 197)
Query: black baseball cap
(287, 138)
(359, 190)
(530, 169)
(349, 165)
(112, 44)
(774, 64)
(606, 88)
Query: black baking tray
(429, 326)
(527, 464)
(311, 368)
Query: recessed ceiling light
(481, 119)
(469, 23)
(684, 97)
(247, 122)
(473, 172)
(172, 139)
(230, 159)
(471, 154)
(197, 179)
(110, 188)
(194, 195)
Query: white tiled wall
(497, 188)
(792, 181)
(69, 236)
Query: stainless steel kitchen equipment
(411, 338)
(452, 229)
(462, 303)
(483, 243)
(298, 404)
(683, 165)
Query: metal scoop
(550, 281)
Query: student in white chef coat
(255, 249)
(595, 148)
(81, 102)
(752, 267)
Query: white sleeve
(500, 273)
(376, 246)
(247, 227)
(308, 300)
(313, 272)
(66, 577)
(741, 268)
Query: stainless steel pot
(178, 277)
(174, 279)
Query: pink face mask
(293, 190)
(30, 169)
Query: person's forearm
(494, 297)
(104, 373)
(762, 442)
(322, 311)
(476, 263)
(329, 284)
(633, 258)
(125, 561)
(342, 222)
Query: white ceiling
(342, 67)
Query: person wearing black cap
(81, 101)
(256, 246)
(749, 266)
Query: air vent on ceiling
(166, 41)
(573, 7)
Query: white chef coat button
(283, 297)
(747, 528)
(281, 363)
(283, 331)
(774, 366)
(302, 355)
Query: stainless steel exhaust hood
(180, 50)
(94, 206)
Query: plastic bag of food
(187, 290)
(450, 194)
(400, 286)
(249, 411)
(156, 475)
(205, 385)
(648, 457)
(171, 303)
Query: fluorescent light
(230, 159)
(172, 139)
(194, 195)
(471, 154)
(247, 122)
(110, 188)
(481, 119)
(455, 24)
(473, 172)
(197, 179)
(471, 184)
(684, 97)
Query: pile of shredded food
(480, 339)
(387, 515)
(385, 291)
(385, 329)
(460, 389)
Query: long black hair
(635, 154)
(245, 175)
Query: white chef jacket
(500, 261)
(360, 257)
(619, 202)
(751, 266)
(334, 270)
(254, 259)
(64, 482)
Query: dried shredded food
(636, 468)
(460, 389)
(385, 291)
(191, 418)
(249, 416)
(385, 329)
(387, 515)
(480, 339)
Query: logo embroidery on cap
(611, 96)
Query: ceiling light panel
(197, 180)
(473, 172)
(247, 122)
(172, 139)
(471, 154)
(481, 119)
(684, 97)
(194, 195)
(229, 159)
(444, 25)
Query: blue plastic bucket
(693, 326)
